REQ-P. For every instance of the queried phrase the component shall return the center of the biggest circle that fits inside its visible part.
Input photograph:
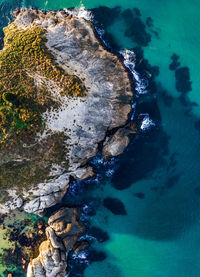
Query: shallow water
(157, 178)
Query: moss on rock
(35, 164)
(21, 101)
(20, 237)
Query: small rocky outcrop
(62, 234)
(115, 145)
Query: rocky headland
(62, 94)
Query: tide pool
(157, 178)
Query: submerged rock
(84, 91)
(115, 206)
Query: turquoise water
(157, 178)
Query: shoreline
(110, 132)
(124, 106)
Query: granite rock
(62, 234)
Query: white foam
(83, 255)
(146, 122)
(129, 62)
(98, 160)
(110, 172)
(81, 12)
(133, 111)
(101, 32)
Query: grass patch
(21, 101)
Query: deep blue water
(143, 208)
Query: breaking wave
(129, 62)
(81, 12)
(146, 122)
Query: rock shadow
(98, 233)
(183, 82)
(76, 268)
(137, 29)
(115, 206)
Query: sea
(142, 209)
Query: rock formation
(62, 234)
(38, 170)
(116, 143)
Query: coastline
(110, 133)
(114, 123)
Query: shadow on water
(109, 269)
(141, 159)
(114, 205)
(171, 206)
(139, 31)
(150, 150)
(170, 209)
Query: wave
(141, 88)
(82, 257)
(146, 122)
(107, 167)
(133, 111)
(101, 33)
(81, 12)
(129, 62)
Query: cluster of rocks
(62, 234)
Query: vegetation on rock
(21, 100)
(20, 237)
(34, 166)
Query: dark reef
(114, 205)
(98, 233)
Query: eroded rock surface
(74, 129)
(115, 145)
(62, 234)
